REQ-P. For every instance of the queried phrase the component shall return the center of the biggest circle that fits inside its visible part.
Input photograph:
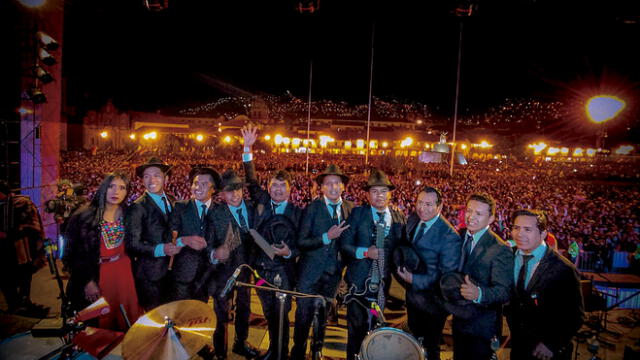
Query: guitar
(373, 290)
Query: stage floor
(622, 328)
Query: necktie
(274, 208)
(381, 224)
(334, 216)
(420, 231)
(466, 251)
(166, 205)
(522, 275)
(242, 220)
(204, 212)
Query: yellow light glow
(360, 143)
(132, 136)
(325, 139)
(347, 144)
(564, 150)
(591, 152)
(199, 137)
(104, 134)
(296, 141)
(463, 146)
(484, 144)
(538, 147)
(267, 137)
(604, 107)
(578, 152)
(278, 139)
(624, 150)
(385, 144)
(553, 151)
(406, 142)
(227, 139)
(286, 140)
(150, 135)
(373, 144)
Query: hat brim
(140, 169)
(389, 186)
(217, 180)
(320, 178)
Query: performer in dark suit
(546, 308)
(487, 262)
(273, 202)
(148, 236)
(437, 245)
(368, 267)
(231, 245)
(320, 267)
(189, 220)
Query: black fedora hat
(452, 299)
(231, 181)
(378, 178)
(153, 162)
(405, 256)
(332, 169)
(205, 170)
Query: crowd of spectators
(595, 205)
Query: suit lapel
(195, 210)
(154, 205)
(479, 249)
(540, 269)
(411, 226)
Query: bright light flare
(463, 146)
(578, 152)
(624, 150)
(267, 137)
(604, 107)
(132, 136)
(484, 144)
(537, 147)
(360, 144)
(553, 151)
(406, 142)
(347, 144)
(591, 152)
(104, 134)
(227, 139)
(385, 144)
(199, 137)
(325, 139)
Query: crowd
(583, 204)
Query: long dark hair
(99, 201)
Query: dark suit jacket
(490, 266)
(439, 252)
(145, 227)
(184, 219)
(553, 310)
(317, 258)
(359, 234)
(291, 211)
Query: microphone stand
(281, 294)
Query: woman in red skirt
(96, 255)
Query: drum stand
(281, 294)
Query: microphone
(231, 282)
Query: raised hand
(249, 134)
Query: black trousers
(427, 324)
(222, 307)
(152, 294)
(470, 347)
(271, 309)
(306, 307)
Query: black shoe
(244, 349)
(207, 353)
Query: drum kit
(173, 331)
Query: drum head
(390, 344)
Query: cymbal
(173, 331)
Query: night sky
(147, 60)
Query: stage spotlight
(45, 57)
(37, 96)
(47, 41)
(42, 75)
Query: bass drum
(390, 344)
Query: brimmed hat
(405, 256)
(153, 162)
(332, 169)
(453, 301)
(231, 181)
(279, 228)
(202, 170)
(282, 174)
(378, 178)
